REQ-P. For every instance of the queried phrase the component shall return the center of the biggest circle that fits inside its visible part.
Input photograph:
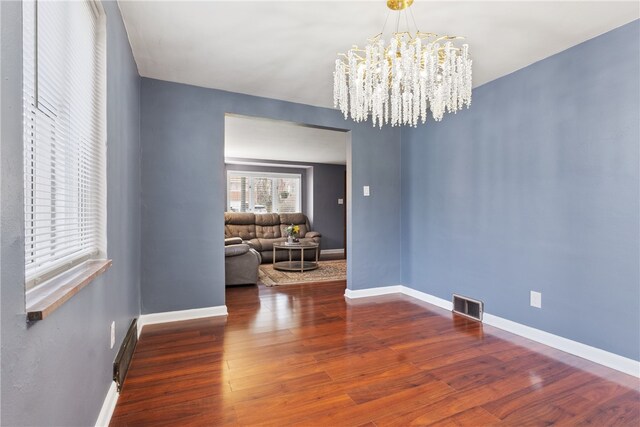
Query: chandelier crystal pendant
(397, 83)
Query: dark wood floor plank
(538, 393)
(353, 365)
(210, 410)
(402, 400)
(618, 411)
(392, 385)
(303, 355)
(268, 390)
(563, 408)
(267, 377)
(291, 407)
(471, 417)
(140, 374)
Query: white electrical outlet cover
(365, 190)
(341, 201)
(536, 299)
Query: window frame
(36, 277)
(270, 175)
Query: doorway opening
(282, 167)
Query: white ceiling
(287, 49)
(256, 138)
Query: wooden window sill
(48, 297)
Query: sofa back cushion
(240, 224)
(268, 226)
(286, 219)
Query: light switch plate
(536, 299)
(113, 333)
(365, 190)
(341, 201)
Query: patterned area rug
(327, 271)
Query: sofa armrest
(256, 254)
(312, 234)
(232, 241)
(255, 244)
(235, 250)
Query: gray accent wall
(536, 187)
(328, 215)
(323, 184)
(57, 371)
(183, 192)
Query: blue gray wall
(57, 371)
(323, 184)
(183, 192)
(536, 187)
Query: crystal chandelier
(397, 83)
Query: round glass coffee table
(293, 265)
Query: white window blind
(64, 135)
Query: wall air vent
(125, 354)
(468, 307)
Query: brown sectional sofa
(261, 231)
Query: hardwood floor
(303, 355)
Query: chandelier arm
(357, 56)
(448, 38)
(375, 38)
(454, 48)
(402, 33)
(423, 35)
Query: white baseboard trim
(176, 316)
(372, 292)
(602, 357)
(431, 299)
(110, 400)
(331, 251)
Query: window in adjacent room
(64, 136)
(263, 192)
